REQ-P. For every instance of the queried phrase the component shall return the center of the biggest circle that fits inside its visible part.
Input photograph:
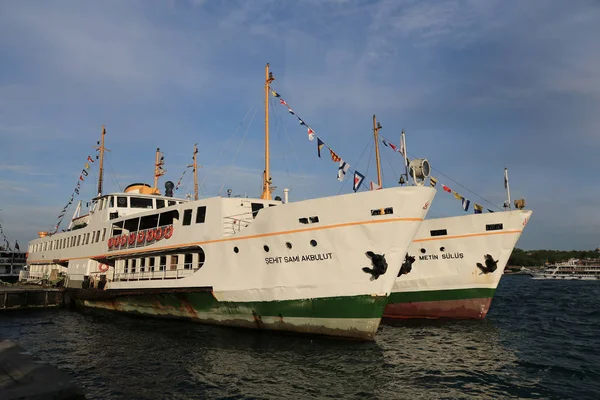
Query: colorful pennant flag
(402, 149)
(274, 93)
(358, 180)
(282, 101)
(334, 157)
(374, 186)
(320, 145)
(84, 172)
(457, 196)
(465, 204)
(311, 134)
(342, 169)
(384, 142)
(432, 181)
(90, 159)
(87, 166)
(446, 189)
(301, 122)
(291, 112)
(80, 177)
(477, 209)
(393, 146)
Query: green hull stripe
(363, 306)
(441, 295)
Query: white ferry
(11, 264)
(321, 266)
(571, 269)
(454, 264)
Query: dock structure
(24, 377)
(14, 297)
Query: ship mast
(158, 171)
(101, 149)
(376, 128)
(195, 168)
(266, 194)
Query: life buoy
(159, 233)
(140, 237)
(150, 235)
(123, 240)
(103, 267)
(110, 242)
(131, 238)
(168, 232)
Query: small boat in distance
(319, 266)
(571, 269)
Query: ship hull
(458, 304)
(445, 280)
(354, 317)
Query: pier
(15, 297)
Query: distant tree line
(534, 258)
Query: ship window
(172, 202)
(439, 232)
(168, 218)
(150, 221)
(188, 261)
(256, 207)
(139, 202)
(201, 258)
(201, 215)
(160, 203)
(151, 263)
(388, 210)
(133, 265)
(142, 265)
(313, 219)
(303, 220)
(112, 201)
(163, 263)
(376, 211)
(187, 217)
(122, 201)
(174, 262)
(493, 227)
(131, 225)
(78, 240)
(103, 234)
(117, 228)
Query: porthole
(313, 243)
(266, 248)
(288, 245)
(423, 251)
(442, 248)
(236, 250)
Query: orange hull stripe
(466, 236)
(317, 228)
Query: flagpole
(376, 128)
(403, 144)
(506, 185)
(266, 194)
(101, 168)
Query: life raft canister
(149, 235)
(140, 237)
(110, 242)
(168, 232)
(131, 238)
(123, 240)
(159, 233)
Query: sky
(477, 85)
